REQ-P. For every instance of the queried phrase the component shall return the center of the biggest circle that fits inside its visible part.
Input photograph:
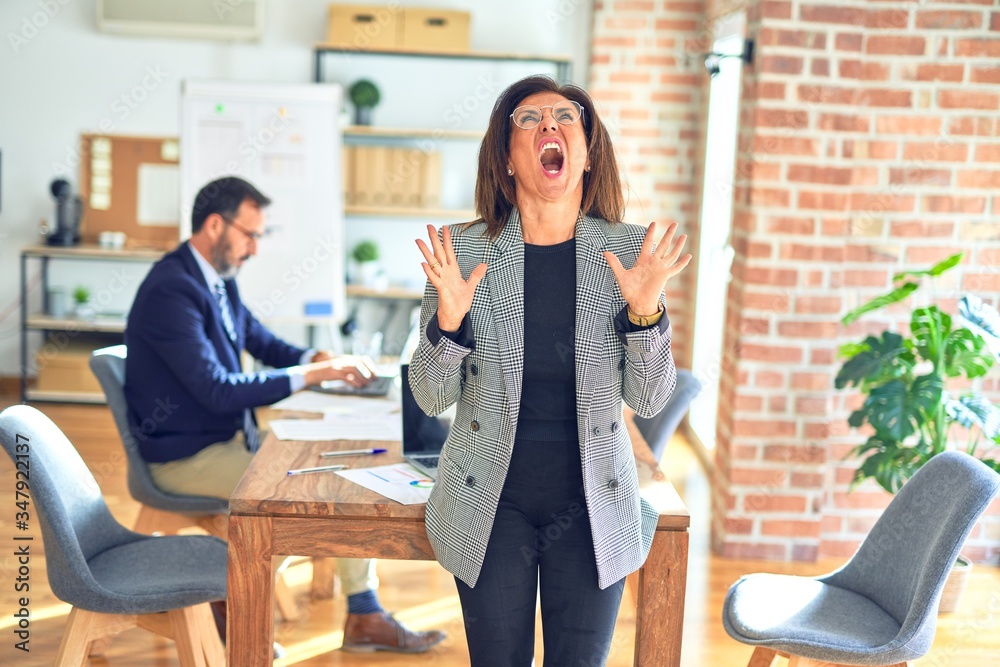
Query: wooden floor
(423, 595)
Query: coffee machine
(69, 211)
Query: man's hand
(357, 371)
(322, 355)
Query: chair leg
(762, 657)
(285, 600)
(323, 579)
(187, 635)
(84, 629)
(99, 647)
(152, 521)
(798, 661)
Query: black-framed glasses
(565, 113)
(253, 236)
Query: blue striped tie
(249, 424)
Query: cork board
(130, 185)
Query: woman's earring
(587, 168)
(510, 172)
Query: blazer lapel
(505, 281)
(595, 285)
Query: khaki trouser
(215, 471)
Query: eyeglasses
(565, 113)
(253, 236)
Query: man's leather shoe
(219, 616)
(365, 633)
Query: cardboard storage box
(355, 27)
(435, 30)
(66, 368)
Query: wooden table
(272, 514)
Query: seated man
(185, 334)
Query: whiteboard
(285, 139)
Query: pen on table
(352, 452)
(302, 471)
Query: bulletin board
(131, 185)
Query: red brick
(772, 353)
(968, 99)
(865, 278)
(831, 524)
(684, 7)
(977, 48)
(838, 122)
(979, 178)
(646, 60)
(769, 197)
(812, 253)
(896, 45)
(826, 201)
(949, 20)
(914, 176)
(630, 77)
(871, 253)
(750, 428)
(771, 90)
(817, 305)
(883, 97)
(801, 39)
(978, 282)
(749, 403)
(634, 5)
(788, 528)
(753, 550)
(808, 329)
(813, 381)
(820, 67)
(758, 250)
(614, 42)
(861, 201)
(841, 549)
(940, 72)
(775, 64)
(947, 204)
(985, 74)
(858, 69)
(882, 19)
(773, 9)
(679, 25)
(669, 96)
(827, 94)
(795, 453)
(769, 379)
(775, 303)
(777, 405)
(832, 14)
(784, 145)
(802, 226)
(738, 526)
(771, 477)
(873, 150)
(816, 431)
(995, 21)
(759, 502)
(922, 229)
(860, 499)
(936, 152)
(907, 125)
(780, 118)
(848, 41)
(988, 153)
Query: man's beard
(219, 252)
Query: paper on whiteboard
(374, 427)
(158, 200)
(400, 482)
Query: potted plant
(908, 404)
(81, 298)
(365, 256)
(364, 95)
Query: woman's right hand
(454, 292)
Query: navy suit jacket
(183, 382)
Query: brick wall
(868, 144)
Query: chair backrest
(658, 429)
(75, 521)
(903, 563)
(108, 365)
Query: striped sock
(363, 603)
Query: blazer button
(613, 483)
(474, 425)
(614, 426)
(597, 430)
(470, 481)
(475, 369)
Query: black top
(548, 386)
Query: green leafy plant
(81, 295)
(365, 251)
(364, 93)
(908, 403)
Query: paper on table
(313, 401)
(400, 482)
(387, 427)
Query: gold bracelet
(645, 320)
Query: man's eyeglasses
(253, 236)
(565, 113)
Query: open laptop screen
(422, 434)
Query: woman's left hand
(657, 263)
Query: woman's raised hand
(454, 292)
(656, 264)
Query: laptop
(378, 386)
(423, 436)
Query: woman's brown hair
(495, 192)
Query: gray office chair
(114, 578)
(167, 513)
(658, 429)
(880, 608)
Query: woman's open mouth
(551, 158)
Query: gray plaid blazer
(486, 383)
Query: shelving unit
(47, 324)
(410, 211)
